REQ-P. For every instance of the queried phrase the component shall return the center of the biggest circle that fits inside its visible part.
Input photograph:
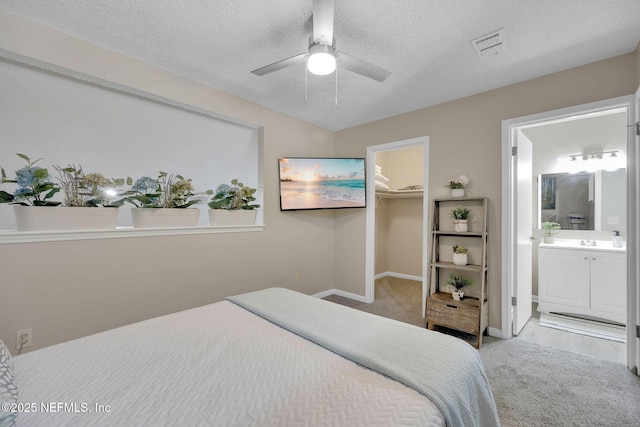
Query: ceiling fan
(322, 55)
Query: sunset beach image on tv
(321, 183)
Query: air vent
(490, 44)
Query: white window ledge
(8, 237)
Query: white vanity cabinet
(609, 272)
(583, 280)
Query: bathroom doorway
(584, 143)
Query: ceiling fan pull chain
(336, 86)
(306, 74)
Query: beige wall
(465, 137)
(404, 228)
(64, 290)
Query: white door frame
(633, 251)
(370, 241)
(508, 201)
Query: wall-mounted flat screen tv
(321, 183)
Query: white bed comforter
(217, 365)
(445, 369)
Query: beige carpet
(395, 298)
(398, 299)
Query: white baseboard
(494, 332)
(398, 275)
(340, 293)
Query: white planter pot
(459, 259)
(549, 239)
(457, 295)
(60, 218)
(165, 217)
(225, 218)
(457, 193)
(460, 225)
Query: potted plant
(87, 190)
(550, 229)
(34, 194)
(34, 207)
(460, 215)
(457, 184)
(34, 185)
(163, 202)
(80, 191)
(233, 205)
(458, 282)
(459, 254)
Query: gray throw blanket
(445, 369)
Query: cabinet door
(609, 282)
(563, 277)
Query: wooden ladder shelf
(470, 315)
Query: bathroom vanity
(587, 278)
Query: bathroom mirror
(583, 201)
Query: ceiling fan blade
(361, 67)
(323, 12)
(280, 64)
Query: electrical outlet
(24, 338)
(298, 276)
(613, 220)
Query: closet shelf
(394, 194)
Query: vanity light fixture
(593, 155)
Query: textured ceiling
(425, 44)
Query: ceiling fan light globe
(321, 63)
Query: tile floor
(591, 346)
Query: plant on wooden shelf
(458, 282)
(35, 187)
(457, 184)
(550, 229)
(459, 254)
(233, 204)
(460, 215)
(459, 249)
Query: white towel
(381, 186)
(382, 178)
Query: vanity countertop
(601, 245)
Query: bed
(268, 358)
